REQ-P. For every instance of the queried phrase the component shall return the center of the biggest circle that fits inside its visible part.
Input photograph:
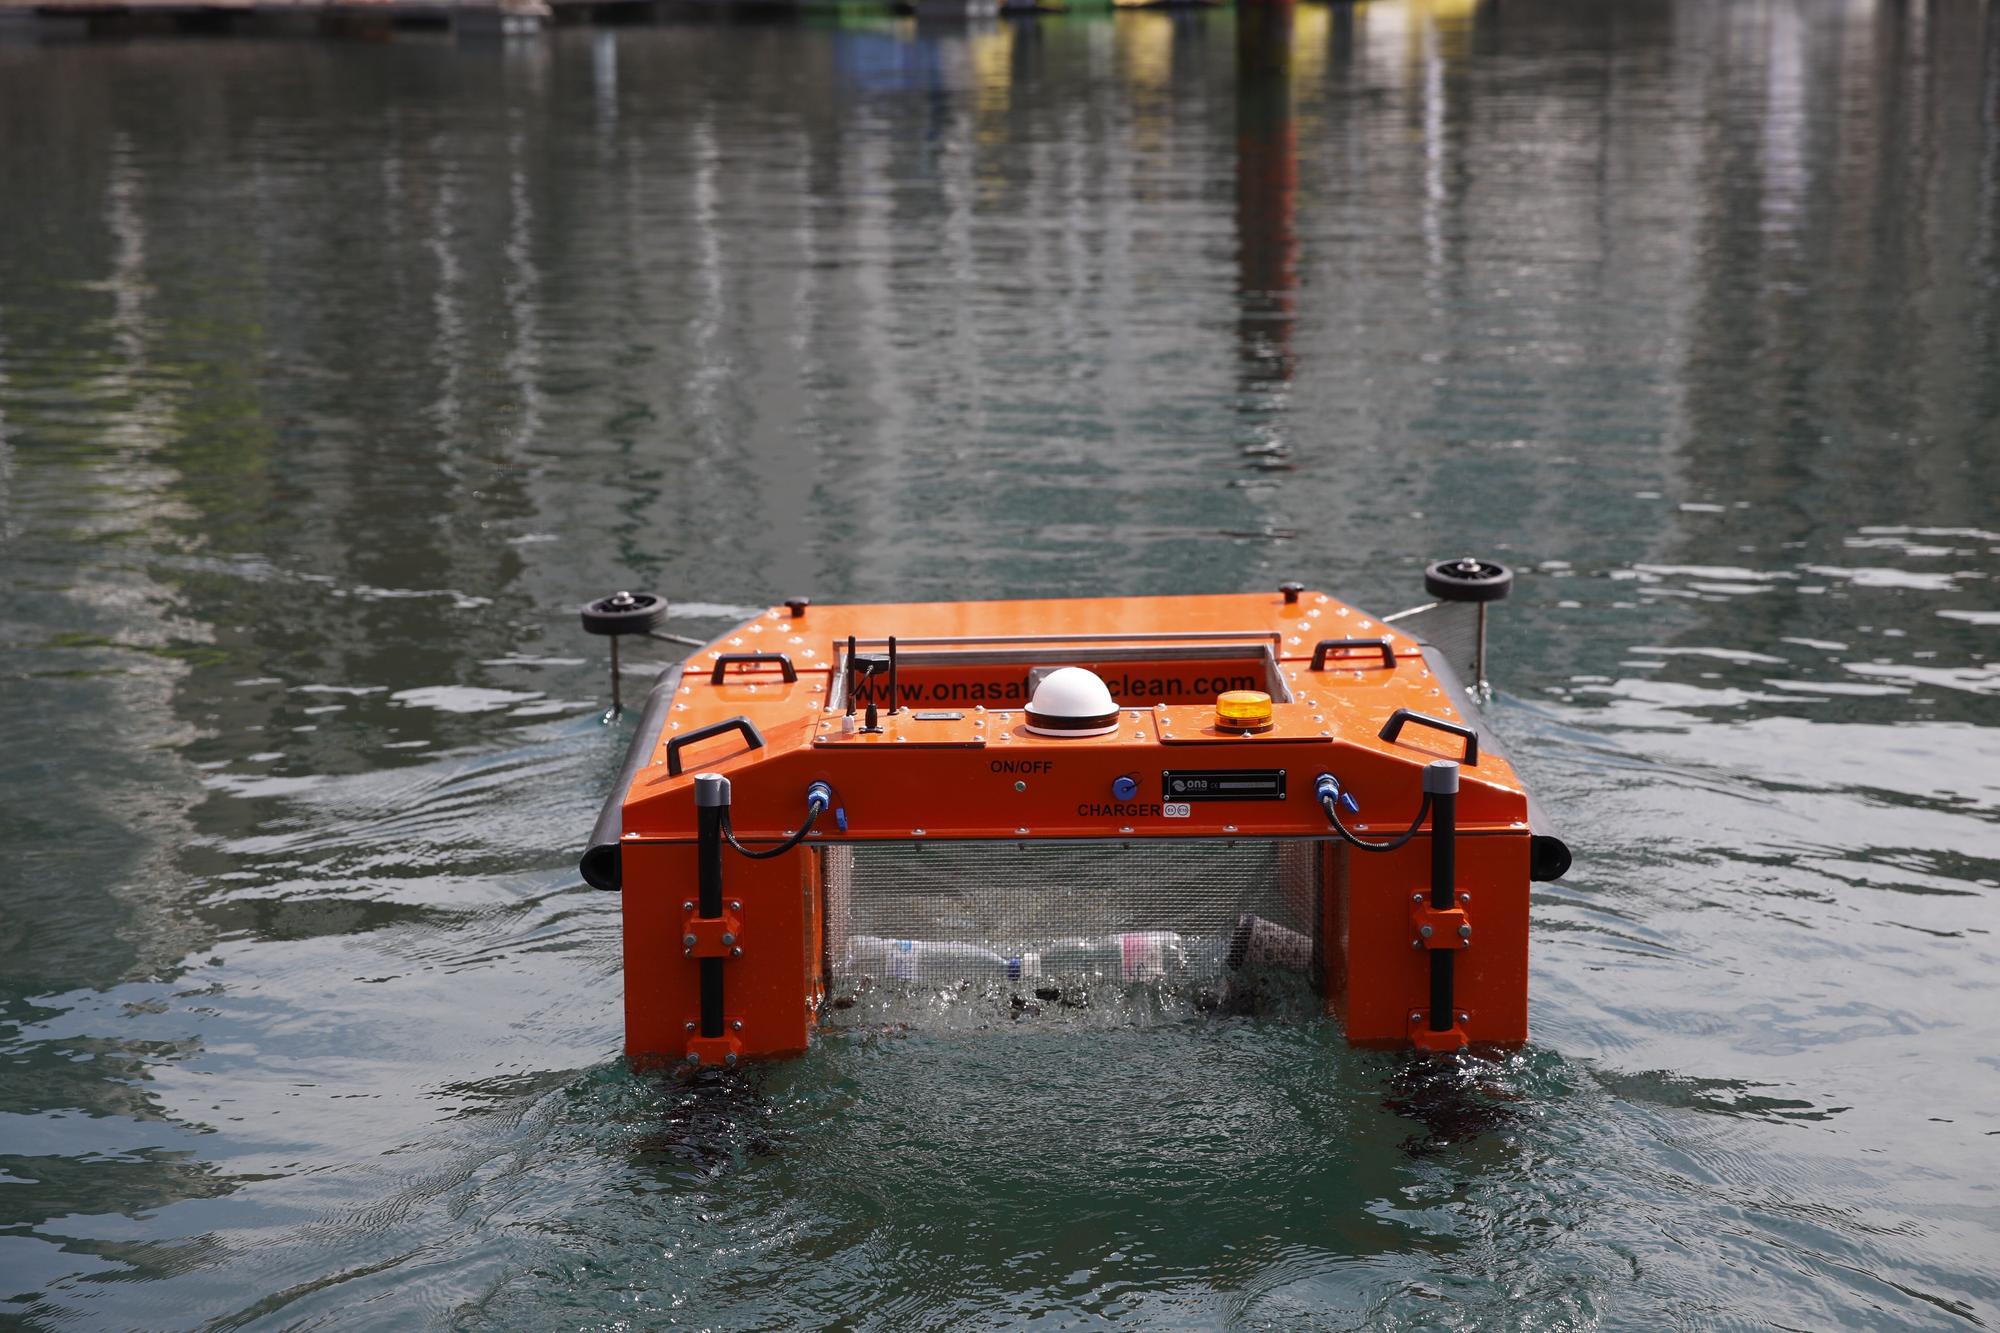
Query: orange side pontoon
(781, 768)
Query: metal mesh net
(1450, 627)
(1188, 917)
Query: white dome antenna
(1071, 701)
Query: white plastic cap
(1071, 701)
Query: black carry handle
(1331, 645)
(751, 659)
(741, 724)
(1394, 726)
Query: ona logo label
(1176, 809)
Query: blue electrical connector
(1328, 788)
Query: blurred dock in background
(78, 19)
(335, 18)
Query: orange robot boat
(1066, 793)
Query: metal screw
(687, 941)
(735, 905)
(1465, 1018)
(1416, 897)
(1465, 932)
(1416, 944)
(730, 1059)
(729, 937)
(1465, 897)
(1424, 931)
(1020, 786)
(735, 1025)
(690, 1025)
(1416, 1016)
(694, 1057)
(688, 906)
(737, 952)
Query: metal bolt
(735, 1025)
(730, 1059)
(735, 905)
(1416, 944)
(729, 937)
(1465, 1018)
(1416, 1016)
(1020, 786)
(687, 941)
(688, 906)
(737, 952)
(1416, 897)
(1465, 897)
(689, 1025)
(1424, 931)
(694, 1057)
(1465, 932)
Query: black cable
(814, 807)
(1326, 803)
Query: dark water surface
(333, 375)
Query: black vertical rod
(1479, 657)
(711, 805)
(847, 680)
(617, 705)
(1441, 783)
(895, 699)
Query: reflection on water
(333, 376)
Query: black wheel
(624, 613)
(1468, 580)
